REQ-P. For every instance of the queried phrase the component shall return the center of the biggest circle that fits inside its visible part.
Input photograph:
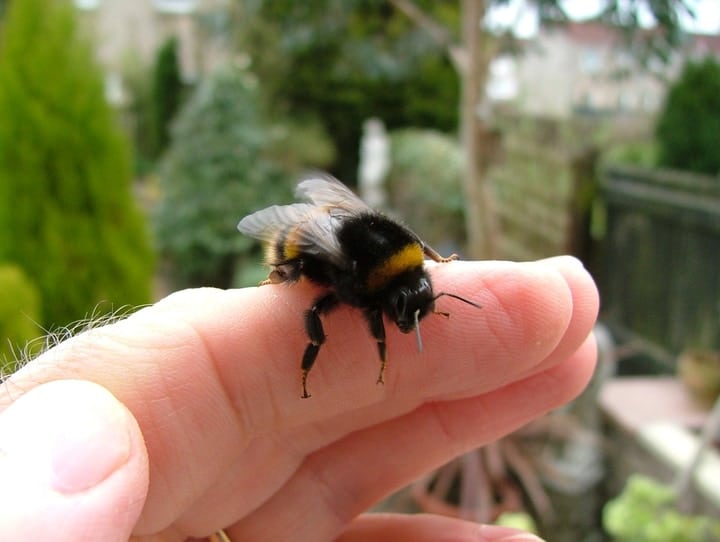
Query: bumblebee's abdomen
(290, 261)
(380, 249)
(282, 248)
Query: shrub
(67, 215)
(688, 129)
(424, 183)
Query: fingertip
(527, 307)
(586, 296)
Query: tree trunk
(471, 59)
(477, 141)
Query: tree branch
(437, 32)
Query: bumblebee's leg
(377, 330)
(316, 334)
(434, 255)
(284, 272)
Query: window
(175, 6)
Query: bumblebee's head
(411, 300)
(409, 303)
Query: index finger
(243, 347)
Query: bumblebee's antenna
(417, 330)
(459, 298)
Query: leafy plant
(67, 215)
(646, 511)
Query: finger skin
(212, 377)
(427, 528)
(73, 465)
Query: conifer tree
(166, 93)
(216, 170)
(67, 216)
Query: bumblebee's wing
(313, 228)
(267, 223)
(327, 191)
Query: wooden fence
(661, 256)
(544, 186)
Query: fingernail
(66, 435)
(89, 450)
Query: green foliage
(646, 512)
(344, 62)
(642, 154)
(300, 145)
(216, 170)
(67, 216)
(19, 314)
(166, 93)
(425, 184)
(688, 129)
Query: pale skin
(186, 417)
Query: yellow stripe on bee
(408, 257)
(291, 248)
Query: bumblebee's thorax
(380, 250)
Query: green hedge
(19, 315)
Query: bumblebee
(363, 258)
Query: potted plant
(699, 370)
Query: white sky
(519, 12)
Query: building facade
(127, 31)
(588, 68)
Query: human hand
(185, 418)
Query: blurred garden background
(134, 134)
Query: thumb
(73, 465)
